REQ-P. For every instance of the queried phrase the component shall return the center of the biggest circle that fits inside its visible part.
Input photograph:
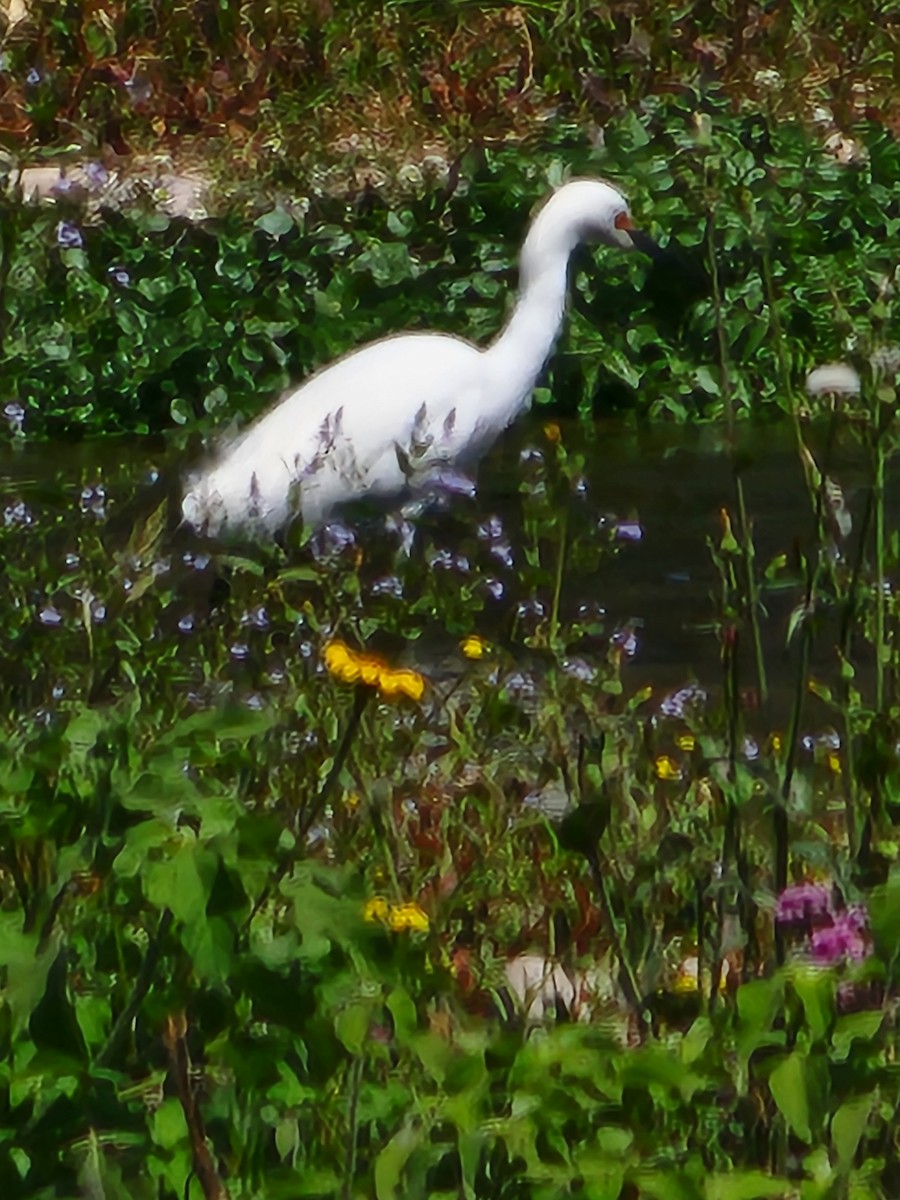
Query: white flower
(409, 175)
(767, 79)
(838, 379)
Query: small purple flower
(687, 698)
(578, 669)
(531, 610)
(33, 78)
(68, 236)
(17, 514)
(15, 415)
(333, 538)
(257, 617)
(803, 902)
(838, 942)
(491, 529)
(454, 483)
(388, 585)
(97, 174)
(626, 640)
(120, 276)
(629, 531)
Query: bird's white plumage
(370, 423)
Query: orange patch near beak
(623, 221)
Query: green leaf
(182, 882)
(788, 1085)
(861, 1026)
(167, 1124)
(884, 916)
(816, 992)
(352, 1026)
(847, 1127)
(390, 1163)
(84, 728)
(287, 1137)
(403, 1010)
(180, 411)
(743, 1185)
(26, 968)
(758, 1001)
(210, 943)
(276, 223)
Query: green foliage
(254, 923)
(148, 322)
(244, 906)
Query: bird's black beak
(644, 242)
(640, 240)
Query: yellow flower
(474, 646)
(686, 741)
(552, 432)
(402, 683)
(666, 768)
(352, 801)
(408, 916)
(834, 763)
(376, 909)
(687, 977)
(775, 742)
(337, 657)
(350, 666)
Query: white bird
(393, 413)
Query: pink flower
(840, 941)
(804, 902)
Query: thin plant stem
(142, 985)
(311, 813)
(629, 977)
(775, 323)
(879, 574)
(558, 578)
(850, 604)
(753, 603)
(745, 532)
(356, 1072)
(848, 619)
(749, 602)
(12, 207)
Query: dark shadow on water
(663, 487)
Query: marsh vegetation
(544, 844)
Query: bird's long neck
(528, 339)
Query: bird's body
(382, 417)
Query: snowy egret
(395, 413)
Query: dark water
(664, 486)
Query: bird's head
(590, 210)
